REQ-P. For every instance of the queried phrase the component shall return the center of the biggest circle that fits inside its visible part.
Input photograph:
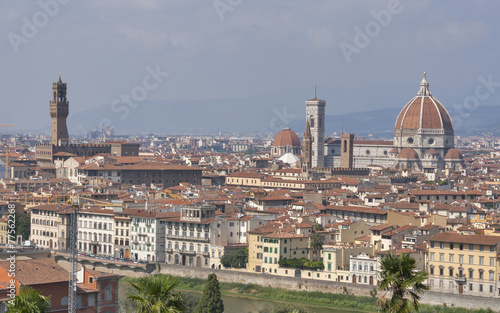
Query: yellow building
(247, 179)
(465, 264)
(282, 245)
(255, 252)
(4, 235)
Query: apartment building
(465, 264)
(147, 236)
(282, 245)
(122, 234)
(50, 226)
(95, 231)
(191, 236)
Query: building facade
(464, 264)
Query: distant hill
(255, 116)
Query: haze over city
(252, 55)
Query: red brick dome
(408, 154)
(424, 112)
(286, 137)
(453, 154)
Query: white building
(147, 236)
(96, 231)
(364, 269)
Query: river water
(243, 304)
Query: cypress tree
(211, 301)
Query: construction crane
(73, 280)
(7, 152)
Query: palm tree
(316, 244)
(29, 300)
(155, 294)
(398, 275)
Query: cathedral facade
(423, 139)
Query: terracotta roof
(471, 239)
(286, 137)
(453, 154)
(37, 271)
(408, 154)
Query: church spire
(424, 87)
(59, 81)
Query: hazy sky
(241, 48)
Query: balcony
(460, 279)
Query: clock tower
(59, 110)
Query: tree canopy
(211, 300)
(29, 300)
(155, 294)
(238, 259)
(398, 275)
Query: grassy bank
(341, 301)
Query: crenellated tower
(59, 110)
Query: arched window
(64, 301)
(366, 267)
(353, 266)
(312, 122)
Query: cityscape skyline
(273, 53)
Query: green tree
(23, 225)
(398, 276)
(238, 259)
(211, 301)
(316, 244)
(29, 300)
(155, 294)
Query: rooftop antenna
(315, 97)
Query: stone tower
(59, 110)
(315, 115)
(346, 152)
(306, 149)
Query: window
(91, 280)
(450, 272)
(461, 246)
(64, 301)
(107, 293)
(432, 256)
(441, 271)
(432, 270)
(461, 258)
(471, 247)
(451, 246)
(432, 244)
(481, 260)
(441, 245)
(481, 248)
(471, 259)
(91, 299)
(451, 258)
(441, 257)
(492, 262)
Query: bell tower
(59, 110)
(315, 115)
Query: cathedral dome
(424, 112)
(286, 137)
(453, 154)
(408, 154)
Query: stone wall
(292, 283)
